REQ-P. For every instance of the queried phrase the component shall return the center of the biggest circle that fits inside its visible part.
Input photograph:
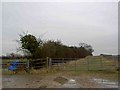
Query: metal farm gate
(89, 63)
(66, 64)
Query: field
(84, 71)
(93, 63)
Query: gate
(76, 64)
(89, 63)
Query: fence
(39, 63)
(68, 64)
(22, 65)
(89, 63)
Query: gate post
(63, 63)
(88, 64)
(47, 59)
(75, 65)
(28, 66)
(50, 63)
(101, 64)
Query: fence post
(88, 64)
(47, 59)
(50, 63)
(117, 63)
(101, 64)
(63, 63)
(28, 66)
(75, 65)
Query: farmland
(77, 69)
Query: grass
(92, 63)
(88, 63)
(99, 67)
(60, 80)
(98, 74)
(7, 61)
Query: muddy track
(37, 81)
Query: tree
(29, 44)
(36, 48)
(89, 48)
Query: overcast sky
(94, 23)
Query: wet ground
(71, 84)
(37, 81)
(106, 83)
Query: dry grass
(81, 71)
(92, 63)
(61, 80)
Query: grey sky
(89, 22)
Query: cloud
(89, 22)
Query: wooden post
(47, 59)
(88, 64)
(63, 64)
(75, 65)
(28, 66)
(101, 64)
(117, 63)
(50, 63)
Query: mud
(38, 81)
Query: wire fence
(90, 63)
(22, 65)
(68, 64)
(84, 64)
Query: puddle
(106, 83)
(70, 84)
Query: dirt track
(45, 79)
(36, 81)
